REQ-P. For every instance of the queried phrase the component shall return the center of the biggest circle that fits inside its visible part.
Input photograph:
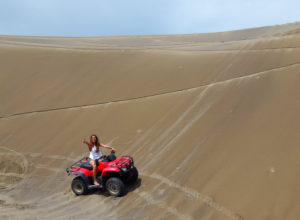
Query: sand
(211, 120)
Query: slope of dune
(212, 121)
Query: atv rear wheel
(115, 186)
(78, 186)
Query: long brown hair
(97, 140)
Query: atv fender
(110, 170)
(83, 177)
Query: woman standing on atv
(95, 153)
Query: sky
(140, 17)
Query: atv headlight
(124, 169)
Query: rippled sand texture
(212, 121)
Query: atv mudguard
(110, 170)
(83, 177)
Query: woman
(95, 153)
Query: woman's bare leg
(93, 163)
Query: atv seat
(88, 166)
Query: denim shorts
(97, 161)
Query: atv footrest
(95, 187)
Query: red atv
(112, 174)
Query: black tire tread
(119, 182)
(80, 181)
(135, 175)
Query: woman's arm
(87, 143)
(108, 147)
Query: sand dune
(212, 121)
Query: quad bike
(113, 173)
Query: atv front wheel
(78, 186)
(115, 186)
(135, 174)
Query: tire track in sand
(150, 96)
(149, 199)
(14, 168)
(195, 195)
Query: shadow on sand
(130, 187)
